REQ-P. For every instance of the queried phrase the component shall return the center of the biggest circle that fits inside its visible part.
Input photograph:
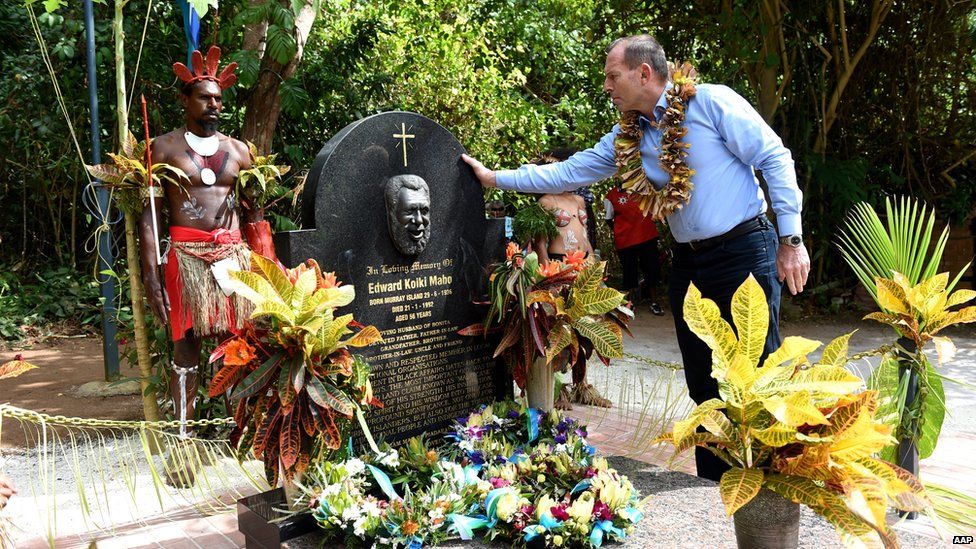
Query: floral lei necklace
(659, 203)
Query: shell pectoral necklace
(205, 147)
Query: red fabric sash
(179, 320)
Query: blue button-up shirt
(729, 141)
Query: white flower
(330, 490)
(466, 445)
(350, 513)
(390, 459)
(560, 449)
(355, 466)
(357, 527)
(370, 508)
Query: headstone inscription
(398, 214)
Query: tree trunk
(263, 105)
(149, 407)
(254, 33)
(847, 64)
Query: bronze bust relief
(408, 213)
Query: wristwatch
(794, 240)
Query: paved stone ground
(639, 390)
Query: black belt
(755, 224)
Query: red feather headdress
(206, 69)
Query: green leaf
(604, 340)
(281, 44)
(933, 411)
(601, 301)
(328, 395)
(258, 379)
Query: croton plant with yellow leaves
(799, 429)
(290, 370)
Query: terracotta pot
(769, 521)
(540, 385)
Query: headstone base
(258, 519)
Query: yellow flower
(557, 540)
(582, 508)
(600, 464)
(543, 506)
(507, 505)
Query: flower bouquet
(505, 470)
(551, 316)
(295, 382)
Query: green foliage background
(511, 79)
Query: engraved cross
(403, 136)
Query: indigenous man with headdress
(205, 221)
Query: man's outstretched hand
(484, 175)
(793, 266)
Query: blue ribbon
(416, 543)
(547, 523)
(491, 502)
(384, 482)
(580, 486)
(532, 420)
(605, 526)
(633, 515)
(465, 525)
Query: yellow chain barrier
(678, 366)
(6, 410)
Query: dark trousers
(718, 272)
(636, 259)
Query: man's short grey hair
(642, 48)
(397, 182)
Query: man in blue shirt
(722, 233)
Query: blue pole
(110, 348)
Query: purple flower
(513, 414)
(581, 432)
(560, 439)
(500, 459)
(476, 457)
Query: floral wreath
(659, 203)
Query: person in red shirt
(635, 237)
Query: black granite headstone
(424, 372)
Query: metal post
(110, 348)
(907, 450)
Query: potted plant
(909, 387)
(792, 432)
(550, 316)
(295, 382)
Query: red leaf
(308, 422)
(534, 328)
(331, 435)
(220, 350)
(512, 333)
(473, 330)
(224, 379)
(290, 441)
(267, 428)
(239, 413)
